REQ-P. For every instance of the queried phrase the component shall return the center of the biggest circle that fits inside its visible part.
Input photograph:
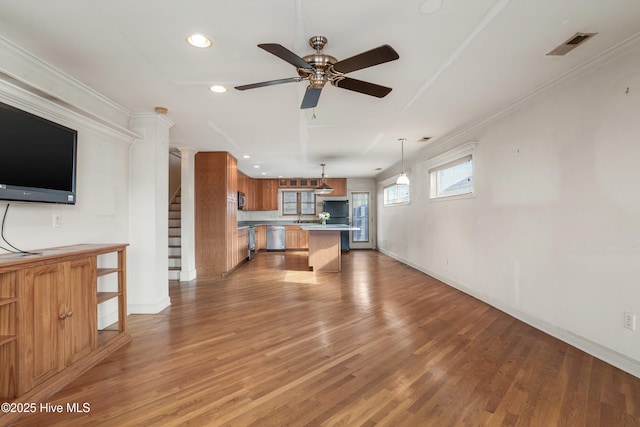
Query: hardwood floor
(376, 344)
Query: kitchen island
(324, 245)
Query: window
(454, 178)
(395, 194)
(298, 203)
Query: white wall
(553, 233)
(174, 174)
(101, 213)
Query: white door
(361, 217)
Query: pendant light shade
(403, 179)
(324, 188)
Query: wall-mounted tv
(37, 158)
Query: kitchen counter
(324, 245)
(276, 222)
(328, 227)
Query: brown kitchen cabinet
(250, 195)
(216, 213)
(266, 194)
(243, 245)
(339, 186)
(261, 237)
(296, 238)
(243, 183)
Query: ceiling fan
(318, 69)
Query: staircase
(175, 249)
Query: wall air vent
(576, 40)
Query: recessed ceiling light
(218, 89)
(263, 173)
(256, 166)
(198, 40)
(246, 156)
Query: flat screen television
(37, 158)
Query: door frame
(371, 243)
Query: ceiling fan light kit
(318, 69)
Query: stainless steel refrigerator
(339, 211)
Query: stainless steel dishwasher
(275, 237)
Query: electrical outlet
(57, 220)
(630, 320)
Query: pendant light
(324, 188)
(403, 179)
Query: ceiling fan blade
(379, 55)
(268, 83)
(311, 97)
(363, 87)
(284, 53)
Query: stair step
(174, 274)
(175, 231)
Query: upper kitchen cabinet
(243, 183)
(339, 186)
(250, 195)
(266, 194)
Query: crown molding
(31, 74)
(620, 50)
(26, 100)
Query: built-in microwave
(242, 200)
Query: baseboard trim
(149, 308)
(188, 275)
(596, 350)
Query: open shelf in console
(106, 296)
(111, 300)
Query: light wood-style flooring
(379, 343)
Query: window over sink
(298, 203)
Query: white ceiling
(457, 66)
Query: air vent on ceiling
(576, 40)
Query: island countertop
(324, 245)
(328, 227)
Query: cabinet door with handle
(41, 317)
(58, 318)
(80, 327)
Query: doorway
(361, 217)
